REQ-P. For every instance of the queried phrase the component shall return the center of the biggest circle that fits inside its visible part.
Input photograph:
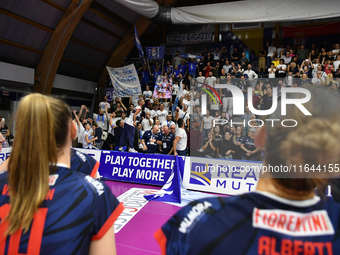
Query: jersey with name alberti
(77, 210)
(253, 223)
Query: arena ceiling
(77, 38)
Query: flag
(171, 191)
(138, 45)
(179, 94)
(155, 52)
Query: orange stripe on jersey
(161, 239)
(109, 222)
(94, 170)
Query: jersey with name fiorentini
(76, 210)
(84, 163)
(253, 223)
(129, 120)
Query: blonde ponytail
(34, 154)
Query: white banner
(193, 38)
(222, 176)
(125, 81)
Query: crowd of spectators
(161, 127)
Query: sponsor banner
(4, 154)
(229, 177)
(125, 81)
(163, 87)
(155, 52)
(193, 38)
(133, 201)
(152, 169)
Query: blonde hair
(314, 141)
(41, 130)
(213, 135)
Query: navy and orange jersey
(84, 163)
(253, 223)
(77, 210)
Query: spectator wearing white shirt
(336, 63)
(167, 105)
(147, 94)
(289, 79)
(211, 80)
(181, 139)
(287, 59)
(336, 52)
(184, 114)
(80, 130)
(175, 89)
(104, 104)
(252, 76)
(207, 126)
(168, 122)
(161, 113)
(227, 66)
(319, 80)
(271, 50)
(102, 119)
(147, 122)
(271, 71)
(186, 100)
(200, 79)
(281, 69)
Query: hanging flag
(178, 96)
(138, 45)
(155, 52)
(171, 191)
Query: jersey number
(35, 238)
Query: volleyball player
(283, 215)
(45, 208)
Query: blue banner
(149, 169)
(155, 52)
(138, 45)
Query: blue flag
(138, 45)
(171, 191)
(155, 52)
(179, 94)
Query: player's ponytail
(314, 142)
(42, 125)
